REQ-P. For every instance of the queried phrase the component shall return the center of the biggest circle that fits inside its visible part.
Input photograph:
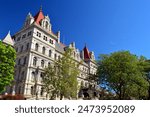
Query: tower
(37, 46)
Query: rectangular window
(45, 38)
(38, 34)
(18, 39)
(51, 41)
(29, 33)
(24, 36)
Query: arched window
(32, 90)
(77, 56)
(46, 25)
(21, 48)
(42, 75)
(59, 57)
(74, 54)
(82, 83)
(49, 63)
(43, 50)
(86, 84)
(55, 56)
(34, 61)
(33, 76)
(17, 49)
(19, 61)
(27, 48)
(22, 75)
(42, 63)
(19, 90)
(36, 47)
(42, 91)
(50, 53)
(25, 59)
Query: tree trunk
(149, 93)
(61, 96)
(120, 93)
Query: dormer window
(29, 20)
(46, 24)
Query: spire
(8, 40)
(39, 16)
(86, 52)
(8, 32)
(29, 14)
(41, 8)
(85, 44)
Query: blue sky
(104, 25)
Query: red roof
(86, 53)
(38, 17)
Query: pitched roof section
(59, 47)
(8, 40)
(86, 53)
(38, 17)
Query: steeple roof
(39, 16)
(86, 53)
(8, 40)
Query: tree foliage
(62, 76)
(7, 62)
(123, 73)
(50, 81)
(146, 66)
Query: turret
(29, 20)
(8, 40)
(58, 36)
(42, 20)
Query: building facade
(37, 47)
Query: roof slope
(8, 40)
(38, 17)
(86, 53)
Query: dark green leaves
(7, 58)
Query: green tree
(7, 63)
(51, 81)
(123, 73)
(61, 78)
(146, 65)
(68, 70)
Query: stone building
(37, 47)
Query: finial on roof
(9, 32)
(41, 8)
(85, 44)
(29, 14)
